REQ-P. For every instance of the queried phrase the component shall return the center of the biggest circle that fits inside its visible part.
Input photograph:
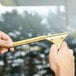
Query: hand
(5, 40)
(61, 60)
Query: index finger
(64, 46)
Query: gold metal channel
(55, 38)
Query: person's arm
(61, 60)
(5, 40)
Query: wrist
(65, 72)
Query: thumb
(54, 49)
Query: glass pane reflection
(26, 22)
